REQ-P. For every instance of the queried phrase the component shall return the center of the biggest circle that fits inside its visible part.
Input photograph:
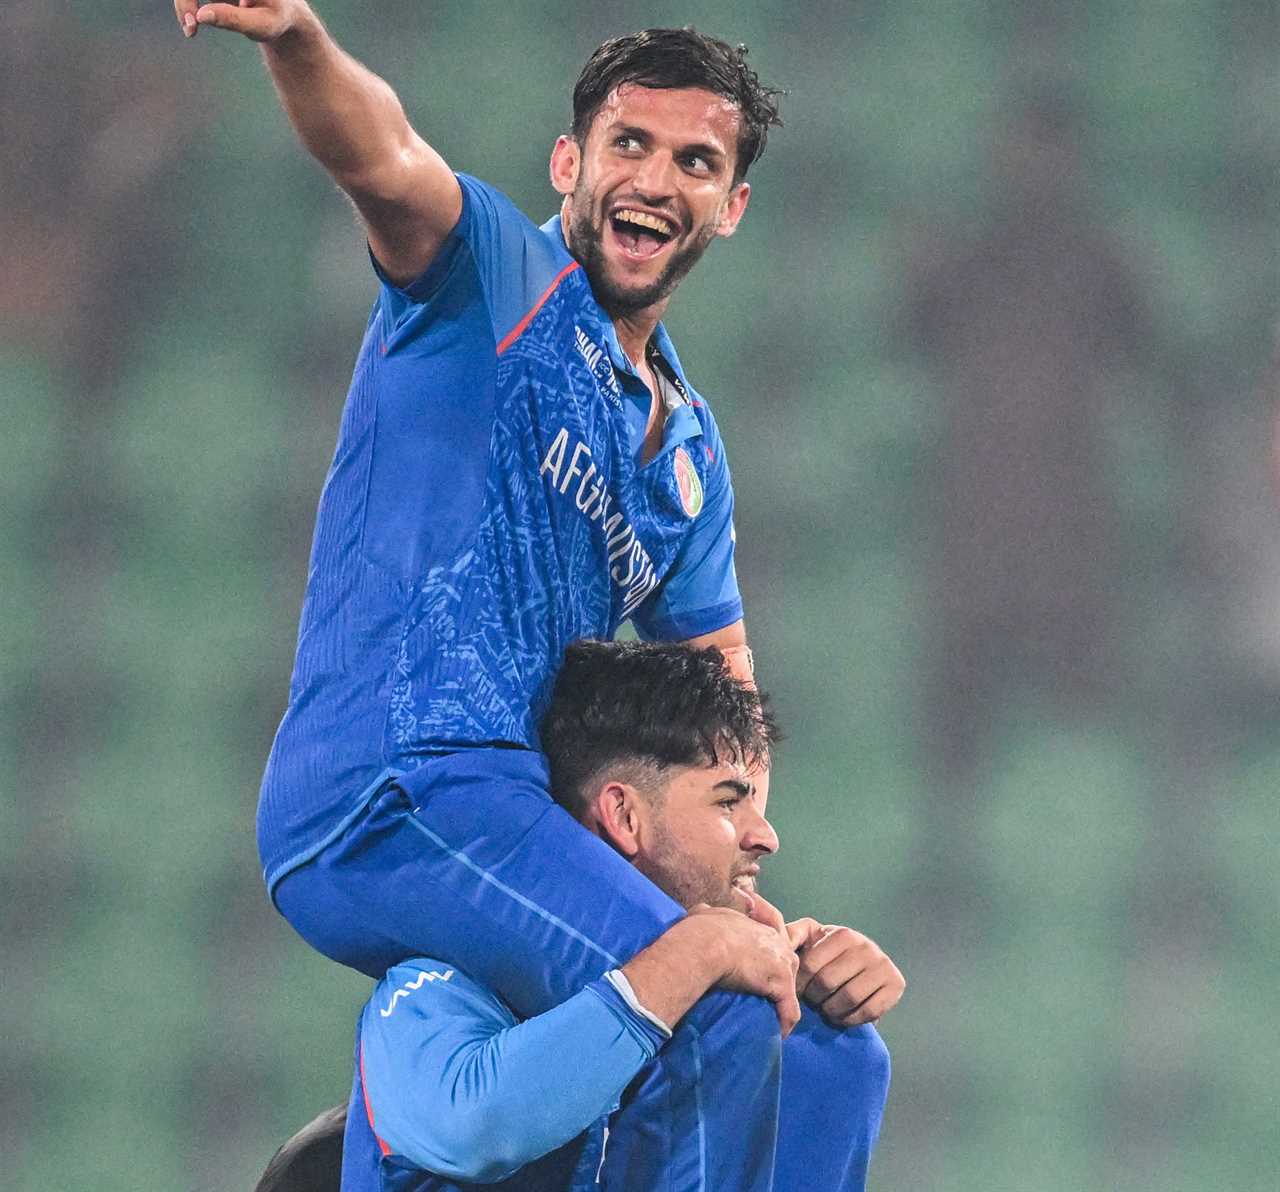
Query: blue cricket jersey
(451, 1090)
(485, 507)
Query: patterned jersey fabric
(485, 507)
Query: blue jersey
(486, 506)
(450, 1089)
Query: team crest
(688, 483)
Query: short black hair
(670, 58)
(311, 1161)
(620, 705)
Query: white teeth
(644, 220)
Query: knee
(819, 1056)
(746, 1020)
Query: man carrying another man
(652, 749)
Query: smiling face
(700, 837)
(648, 190)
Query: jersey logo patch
(688, 483)
(412, 986)
(600, 365)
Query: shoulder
(425, 988)
(488, 213)
(518, 263)
(702, 411)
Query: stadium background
(991, 357)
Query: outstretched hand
(844, 975)
(258, 20)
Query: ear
(566, 161)
(734, 207)
(614, 814)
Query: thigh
(469, 860)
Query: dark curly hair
(670, 58)
(637, 708)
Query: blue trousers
(468, 859)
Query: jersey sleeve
(458, 1087)
(494, 252)
(700, 593)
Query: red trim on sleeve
(368, 1109)
(519, 329)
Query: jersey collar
(554, 229)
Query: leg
(688, 1120)
(469, 860)
(834, 1084)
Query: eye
(626, 143)
(696, 163)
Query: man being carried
(522, 463)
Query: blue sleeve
(700, 592)
(459, 1088)
(494, 251)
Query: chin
(621, 299)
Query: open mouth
(641, 234)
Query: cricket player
(522, 462)
(450, 1089)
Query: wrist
(677, 968)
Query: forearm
(676, 969)
(348, 118)
(478, 1108)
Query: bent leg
(469, 861)
(834, 1085)
(702, 1115)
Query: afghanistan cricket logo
(688, 483)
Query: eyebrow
(739, 787)
(700, 149)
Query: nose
(758, 834)
(653, 177)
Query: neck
(634, 330)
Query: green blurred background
(991, 352)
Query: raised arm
(352, 123)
